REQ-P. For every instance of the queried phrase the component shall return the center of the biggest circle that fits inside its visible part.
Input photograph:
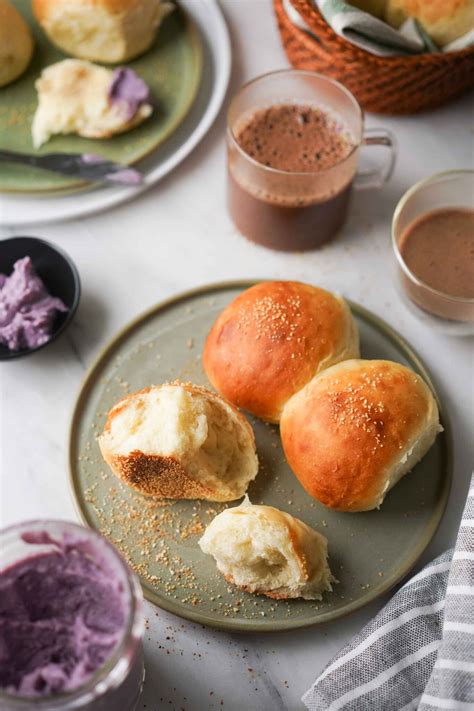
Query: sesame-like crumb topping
(274, 319)
(355, 405)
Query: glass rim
(132, 629)
(445, 174)
(294, 72)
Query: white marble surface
(178, 236)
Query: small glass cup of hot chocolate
(293, 144)
(433, 243)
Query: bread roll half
(356, 429)
(75, 96)
(264, 550)
(107, 31)
(272, 339)
(180, 441)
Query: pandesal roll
(16, 43)
(443, 20)
(180, 441)
(356, 429)
(107, 31)
(267, 551)
(272, 339)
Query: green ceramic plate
(369, 552)
(172, 68)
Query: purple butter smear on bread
(128, 90)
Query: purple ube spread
(27, 310)
(129, 91)
(61, 617)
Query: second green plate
(172, 69)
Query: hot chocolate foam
(294, 138)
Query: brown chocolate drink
(290, 187)
(438, 249)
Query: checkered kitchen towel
(418, 653)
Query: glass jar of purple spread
(71, 621)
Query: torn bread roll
(75, 96)
(266, 551)
(272, 339)
(107, 31)
(356, 429)
(180, 441)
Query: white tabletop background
(177, 236)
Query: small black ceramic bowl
(58, 273)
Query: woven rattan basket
(389, 85)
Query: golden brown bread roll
(443, 20)
(180, 441)
(266, 551)
(101, 30)
(16, 43)
(272, 339)
(356, 429)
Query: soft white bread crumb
(180, 441)
(267, 551)
(107, 31)
(74, 97)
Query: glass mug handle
(376, 177)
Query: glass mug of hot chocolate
(293, 143)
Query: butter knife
(86, 166)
